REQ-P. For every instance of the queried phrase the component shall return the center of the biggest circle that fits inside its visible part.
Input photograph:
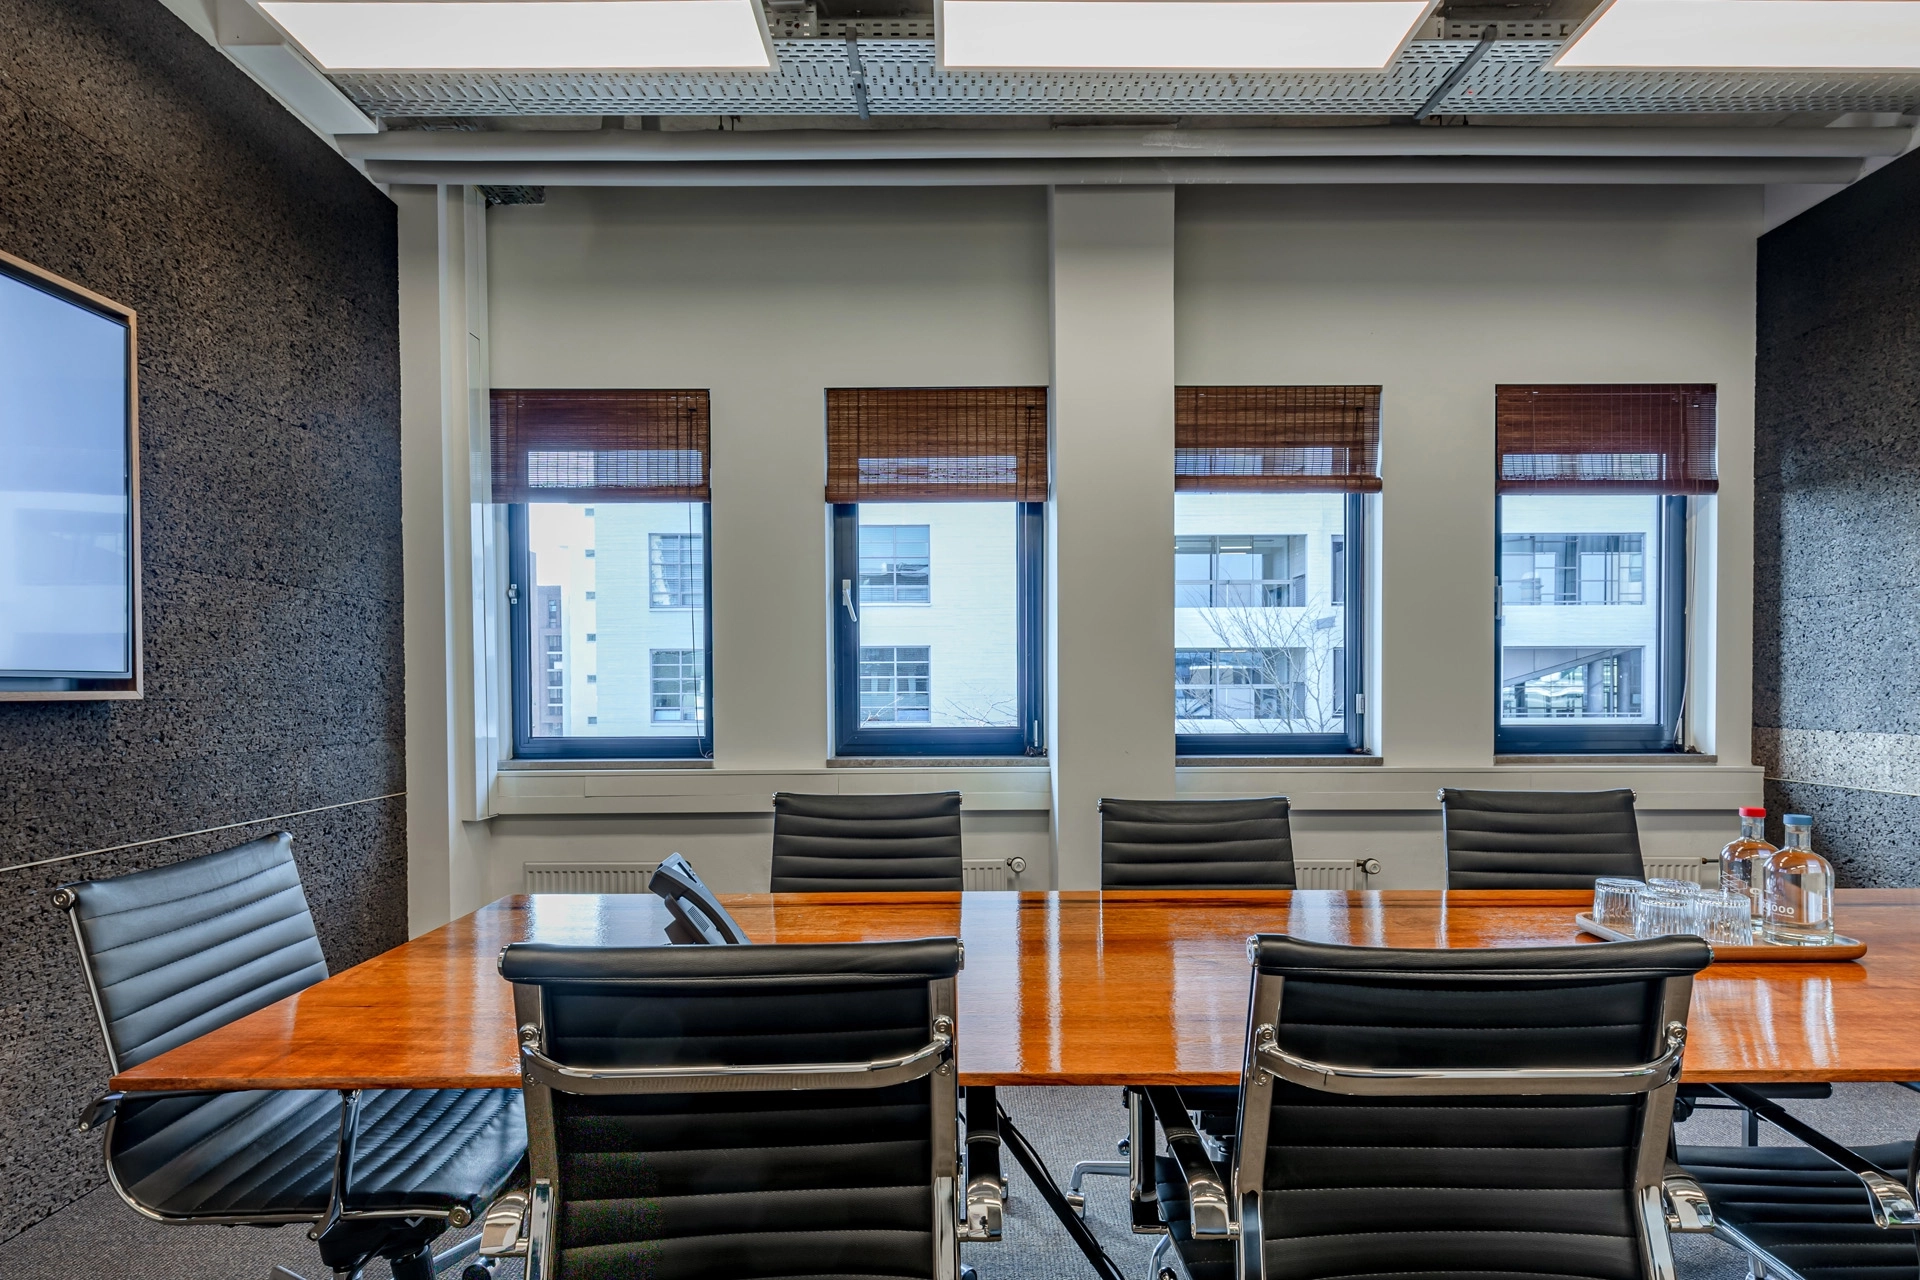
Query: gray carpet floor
(100, 1238)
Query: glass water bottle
(1797, 902)
(1743, 861)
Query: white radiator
(1704, 871)
(991, 873)
(1333, 873)
(588, 877)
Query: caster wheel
(476, 1271)
(968, 1273)
(1166, 1273)
(1077, 1202)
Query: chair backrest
(1196, 844)
(705, 1159)
(1349, 1169)
(697, 914)
(173, 952)
(866, 843)
(1538, 839)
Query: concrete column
(447, 531)
(1110, 540)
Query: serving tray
(1841, 948)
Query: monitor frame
(96, 689)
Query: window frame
(520, 603)
(1352, 741)
(1670, 652)
(1026, 739)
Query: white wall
(1436, 294)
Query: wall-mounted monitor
(69, 491)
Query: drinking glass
(1726, 917)
(1687, 887)
(1659, 912)
(1613, 901)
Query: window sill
(629, 764)
(1275, 762)
(1658, 759)
(937, 762)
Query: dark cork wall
(1837, 524)
(137, 161)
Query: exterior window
(623, 642)
(946, 483)
(896, 684)
(893, 564)
(679, 573)
(1262, 629)
(1590, 641)
(678, 676)
(1595, 483)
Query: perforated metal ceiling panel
(816, 77)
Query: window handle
(846, 598)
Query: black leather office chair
(1820, 1211)
(1538, 839)
(1185, 844)
(1196, 844)
(726, 1113)
(175, 952)
(871, 844)
(1463, 1114)
(697, 914)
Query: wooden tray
(1842, 947)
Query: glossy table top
(1134, 987)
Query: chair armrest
(503, 1231)
(1893, 1206)
(1209, 1208)
(99, 1111)
(986, 1193)
(1688, 1209)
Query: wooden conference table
(1068, 988)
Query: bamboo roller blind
(578, 446)
(1277, 438)
(1626, 438)
(937, 444)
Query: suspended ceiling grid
(819, 77)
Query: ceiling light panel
(1828, 35)
(1184, 35)
(527, 35)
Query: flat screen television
(69, 491)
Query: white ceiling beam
(630, 146)
(252, 44)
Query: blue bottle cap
(1797, 820)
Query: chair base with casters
(1704, 1097)
(177, 951)
(1815, 1211)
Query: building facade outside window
(607, 518)
(1268, 509)
(1595, 485)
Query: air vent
(588, 877)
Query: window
(607, 517)
(678, 678)
(1594, 487)
(896, 684)
(946, 484)
(1268, 508)
(893, 564)
(679, 575)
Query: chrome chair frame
(1227, 1204)
(521, 1224)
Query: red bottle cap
(1750, 812)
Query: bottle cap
(1752, 811)
(1797, 820)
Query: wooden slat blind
(937, 444)
(1624, 438)
(1276, 438)
(577, 446)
